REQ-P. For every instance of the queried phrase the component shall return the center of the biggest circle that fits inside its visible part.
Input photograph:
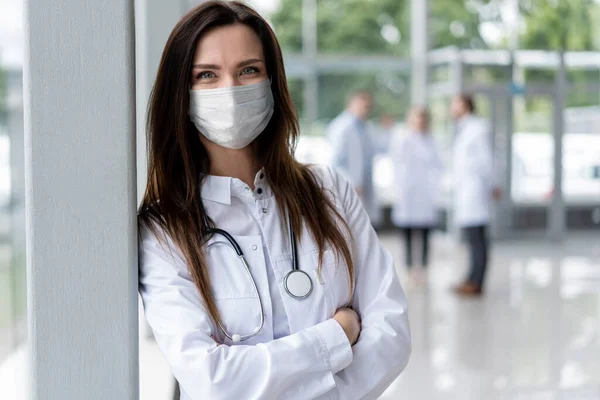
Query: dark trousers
(408, 235)
(478, 250)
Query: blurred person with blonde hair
(417, 170)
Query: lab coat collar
(463, 121)
(354, 118)
(217, 188)
(221, 188)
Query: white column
(419, 47)
(505, 206)
(458, 83)
(309, 51)
(556, 211)
(155, 19)
(79, 100)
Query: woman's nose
(230, 81)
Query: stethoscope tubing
(240, 254)
(230, 239)
(260, 304)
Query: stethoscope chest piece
(298, 284)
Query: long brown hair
(178, 162)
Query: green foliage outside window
(382, 27)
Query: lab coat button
(254, 247)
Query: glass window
(560, 24)
(459, 23)
(6, 321)
(535, 76)
(581, 145)
(541, 24)
(344, 26)
(363, 27)
(439, 73)
(12, 190)
(486, 75)
(391, 91)
(285, 16)
(533, 150)
(440, 118)
(296, 88)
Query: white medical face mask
(232, 117)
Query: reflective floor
(534, 335)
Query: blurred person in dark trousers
(417, 172)
(474, 188)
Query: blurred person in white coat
(417, 170)
(353, 149)
(474, 188)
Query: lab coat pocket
(333, 276)
(233, 289)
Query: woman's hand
(350, 322)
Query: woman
(417, 170)
(223, 182)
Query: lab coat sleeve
(299, 366)
(384, 346)
(346, 146)
(483, 157)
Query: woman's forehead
(229, 43)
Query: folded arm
(299, 366)
(384, 345)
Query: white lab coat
(473, 172)
(417, 172)
(353, 153)
(313, 359)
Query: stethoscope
(297, 283)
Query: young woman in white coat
(261, 277)
(418, 169)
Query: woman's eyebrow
(249, 61)
(239, 65)
(207, 66)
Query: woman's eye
(205, 75)
(249, 70)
